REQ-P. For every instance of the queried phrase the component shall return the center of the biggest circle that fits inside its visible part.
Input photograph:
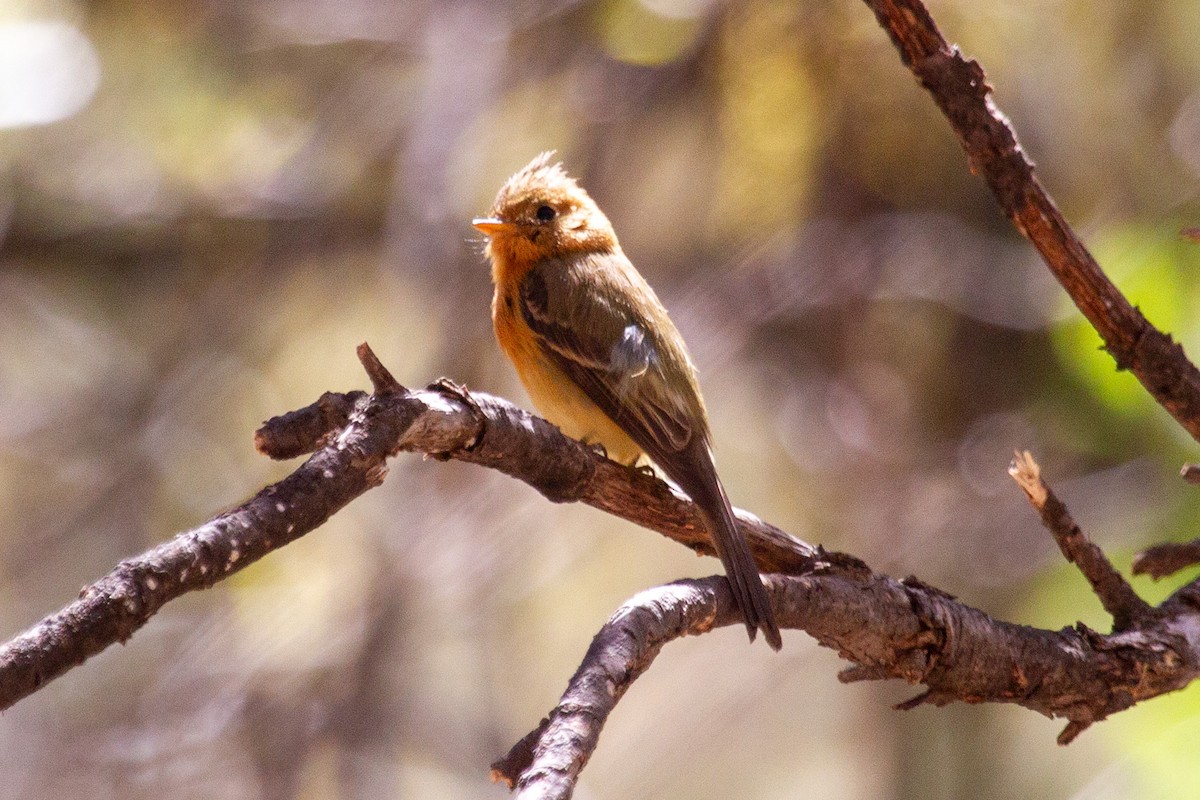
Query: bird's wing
(607, 347)
(636, 371)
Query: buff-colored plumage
(599, 355)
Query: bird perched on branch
(599, 355)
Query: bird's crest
(542, 177)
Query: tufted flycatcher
(600, 357)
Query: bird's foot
(596, 447)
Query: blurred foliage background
(205, 205)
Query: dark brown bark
(960, 89)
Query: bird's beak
(490, 225)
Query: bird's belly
(561, 401)
(567, 406)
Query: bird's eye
(545, 213)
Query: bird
(599, 356)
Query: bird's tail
(705, 488)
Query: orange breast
(556, 396)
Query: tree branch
(547, 762)
(1115, 593)
(503, 437)
(888, 629)
(447, 422)
(114, 607)
(1166, 559)
(960, 89)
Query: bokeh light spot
(48, 71)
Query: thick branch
(547, 763)
(905, 629)
(111, 609)
(448, 422)
(960, 89)
(888, 629)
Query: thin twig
(1166, 559)
(1115, 593)
(302, 431)
(381, 379)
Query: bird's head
(541, 213)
